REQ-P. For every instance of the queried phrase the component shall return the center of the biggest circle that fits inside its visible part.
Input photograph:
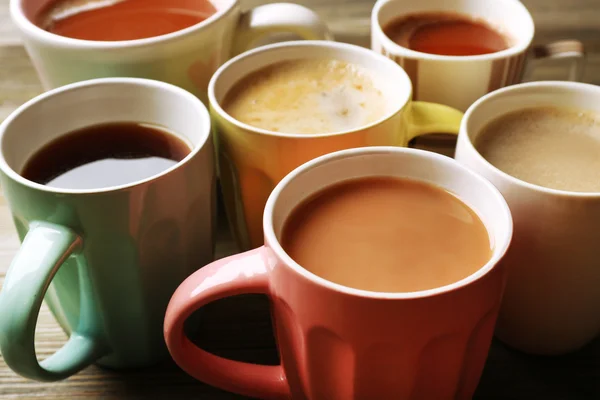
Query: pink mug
(337, 342)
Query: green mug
(107, 260)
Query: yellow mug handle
(427, 117)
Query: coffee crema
(445, 33)
(387, 234)
(115, 20)
(558, 148)
(307, 96)
(105, 155)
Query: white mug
(552, 297)
(458, 81)
(186, 58)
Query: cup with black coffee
(114, 200)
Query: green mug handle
(45, 247)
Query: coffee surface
(387, 235)
(310, 96)
(105, 155)
(445, 33)
(114, 20)
(558, 148)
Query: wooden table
(240, 328)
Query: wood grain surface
(239, 328)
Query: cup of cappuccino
(279, 106)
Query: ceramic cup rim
(387, 43)
(27, 26)
(512, 90)
(342, 47)
(90, 84)
(271, 241)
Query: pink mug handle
(239, 274)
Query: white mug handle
(270, 19)
(561, 50)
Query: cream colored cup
(458, 81)
(551, 303)
(252, 161)
(186, 58)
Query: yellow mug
(252, 160)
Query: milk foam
(308, 96)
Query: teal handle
(45, 247)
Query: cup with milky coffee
(539, 143)
(279, 106)
(382, 266)
(457, 51)
(181, 42)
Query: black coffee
(105, 155)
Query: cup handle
(45, 247)
(270, 19)
(239, 274)
(564, 49)
(428, 117)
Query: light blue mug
(106, 260)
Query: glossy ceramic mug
(252, 161)
(106, 260)
(337, 342)
(458, 81)
(552, 298)
(186, 58)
